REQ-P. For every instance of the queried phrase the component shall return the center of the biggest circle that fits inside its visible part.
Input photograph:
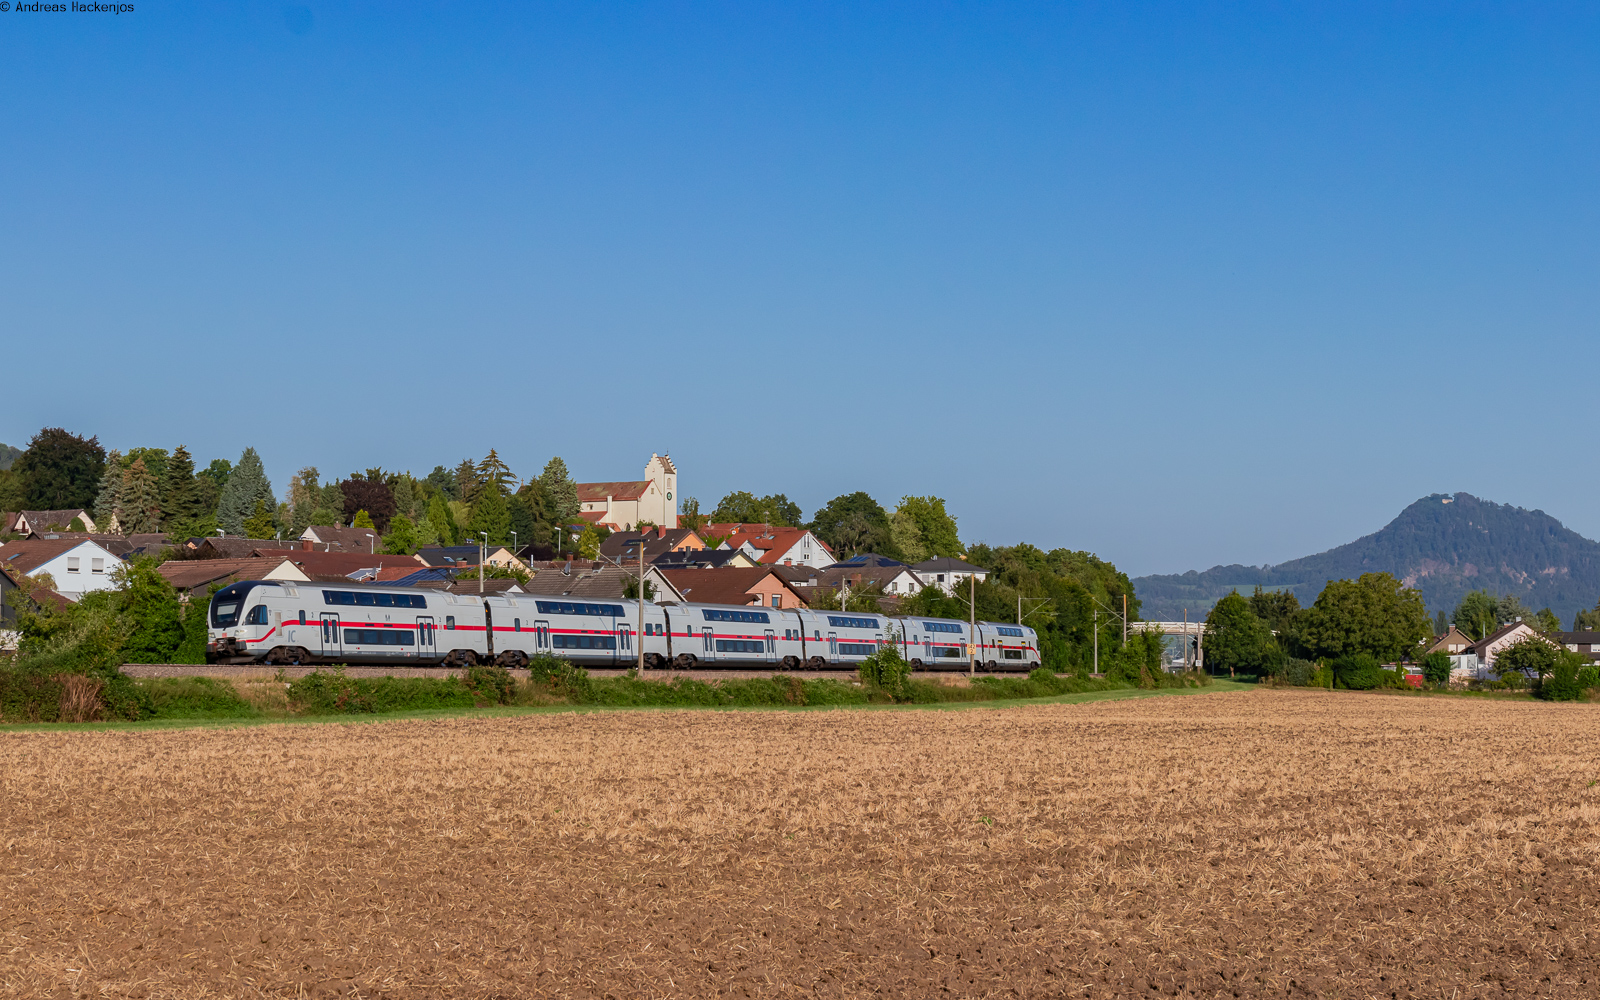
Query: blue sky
(1179, 284)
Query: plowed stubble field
(1259, 844)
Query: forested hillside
(1443, 545)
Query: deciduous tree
(60, 470)
(1374, 615)
(1236, 640)
(746, 508)
(361, 492)
(936, 529)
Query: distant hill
(1443, 545)
(8, 455)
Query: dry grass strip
(1243, 845)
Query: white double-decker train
(265, 621)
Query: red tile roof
(28, 554)
(772, 542)
(617, 491)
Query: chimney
(305, 545)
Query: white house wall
(73, 584)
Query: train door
(833, 647)
(331, 646)
(427, 646)
(772, 646)
(708, 643)
(625, 652)
(541, 637)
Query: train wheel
(816, 663)
(654, 661)
(991, 666)
(917, 664)
(791, 663)
(684, 661)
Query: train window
(839, 621)
(944, 627)
(257, 616)
(740, 646)
(584, 641)
(373, 599)
(379, 637)
(516, 624)
(302, 620)
(718, 615)
(1013, 654)
(855, 648)
(449, 622)
(818, 634)
(1013, 632)
(577, 608)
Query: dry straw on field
(1263, 844)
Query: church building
(622, 506)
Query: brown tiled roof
(338, 537)
(632, 490)
(656, 543)
(597, 580)
(719, 586)
(334, 566)
(239, 548)
(857, 576)
(28, 554)
(38, 520)
(187, 574)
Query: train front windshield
(227, 605)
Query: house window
(941, 577)
(777, 600)
(97, 566)
(72, 564)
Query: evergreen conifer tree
(493, 470)
(560, 492)
(180, 498)
(141, 500)
(402, 537)
(247, 486)
(467, 482)
(439, 522)
(108, 503)
(491, 514)
(405, 498)
(363, 520)
(259, 523)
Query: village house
(770, 545)
(1452, 643)
(341, 538)
(761, 585)
(623, 506)
(948, 574)
(77, 566)
(1587, 643)
(623, 546)
(29, 522)
(1476, 662)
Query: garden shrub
(1300, 673)
(1562, 683)
(1589, 677)
(490, 683)
(1436, 668)
(324, 693)
(1358, 672)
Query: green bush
(886, 670)
(1589, 677)
(1562, 684)
(323, 693)
(562, 678)
(490, 683)
(1358, 672)
(195, 698)
(1436, 668)
(1300, 673)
